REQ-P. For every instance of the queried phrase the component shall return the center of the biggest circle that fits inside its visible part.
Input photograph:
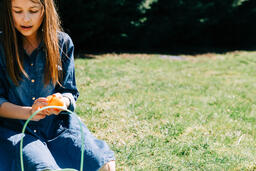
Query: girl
(36, 60)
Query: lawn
(197, 113)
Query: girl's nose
(27, 17)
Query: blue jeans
(58, 148)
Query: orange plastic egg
(53, 100)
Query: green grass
(163, 114)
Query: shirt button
(35, 131)
(33, 98)
(31, 64)
(33, 81)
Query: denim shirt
(29, 89)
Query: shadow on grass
(176, 52)
(85, 56)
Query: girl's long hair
(49, 33)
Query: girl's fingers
(58, 95)
(44, 112)
(54, 111)
(57, 111)
(37, 105)
(51, 111)
(41, 100)
(40, 103)
(38, 117)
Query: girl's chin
(27, 33)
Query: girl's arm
(12, 111)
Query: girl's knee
(110, 166)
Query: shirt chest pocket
(39, 62)
(39, 67)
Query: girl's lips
(26, 27)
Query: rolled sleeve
(2, 89)
(72, 101)
(68, 83)
(3, 81)
(2, 100)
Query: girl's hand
(39, 103)
(60, 102)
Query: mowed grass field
(198, 113)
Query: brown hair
(49, 32)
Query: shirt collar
(41, 45)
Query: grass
(162, 114)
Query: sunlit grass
(162, 114)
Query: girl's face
(27, 17)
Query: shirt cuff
(2, 100)
(72, 101)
